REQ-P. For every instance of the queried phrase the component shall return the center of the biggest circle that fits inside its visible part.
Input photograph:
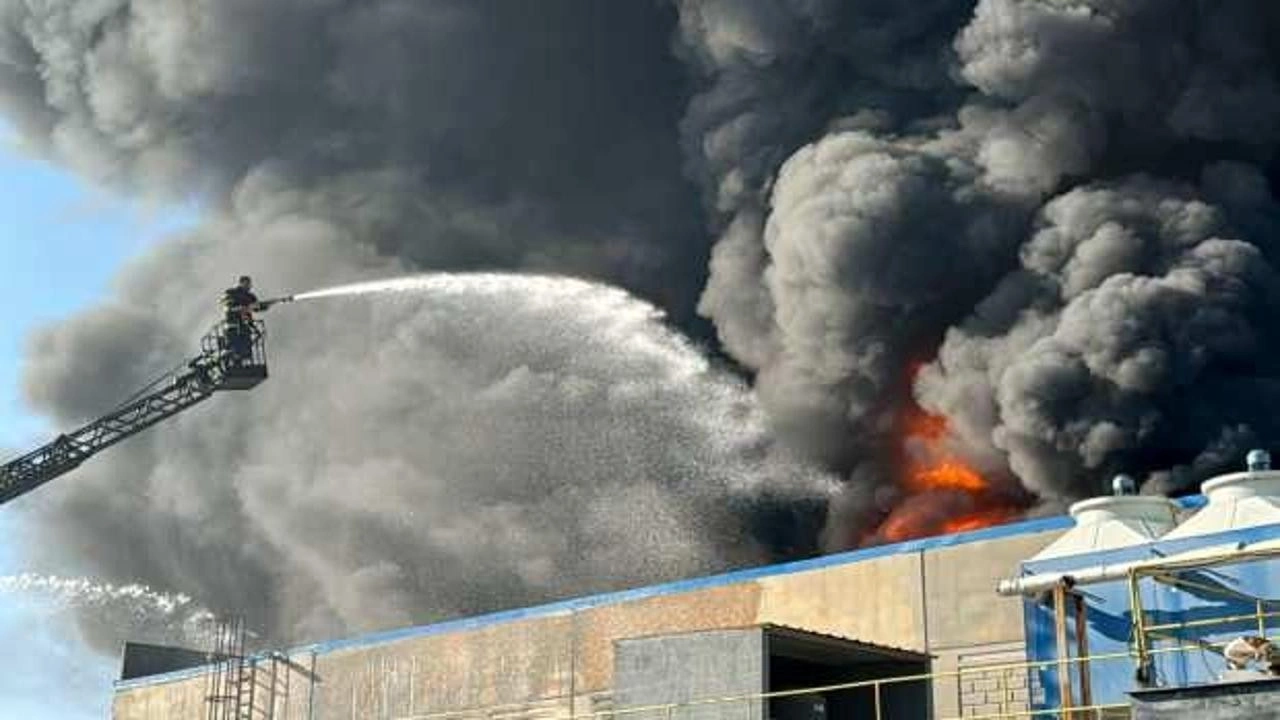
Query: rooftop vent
(1123, 485)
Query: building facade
(920, 607)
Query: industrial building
(1033, 616)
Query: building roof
(788, 640)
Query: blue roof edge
(563, 607)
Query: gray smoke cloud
(1063, 210)
(487, 441)
(416, 458)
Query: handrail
(494, 712)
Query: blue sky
(61, 242)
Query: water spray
(175, 616)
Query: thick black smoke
(1064, 204)
(1064, 209)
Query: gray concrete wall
(963, 609)
(692, 667)
(969, 627)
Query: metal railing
(1013, 694)
(1147, 636)
(1013, 706)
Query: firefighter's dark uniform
(239, 303)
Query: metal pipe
(1048, 712)
(616, 713)
(1063, 649)
(311, 692)
(1082, 649)
(1139, 628)
(1210, 621)
(1217, 555)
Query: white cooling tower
(1239, 500)
(1110, 522)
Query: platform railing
(748, 705)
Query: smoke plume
(1047, 226)
(1061, 208)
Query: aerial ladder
(232, 357)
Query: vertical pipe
(209, 683)
(573, 662)
(311, 693)
(1139, 627)
(271, 703)
(1006, 691)
(1082, 649)
(248, 663)
(288, 680)
(1063, 648)
(1262, 621)
(876, 688)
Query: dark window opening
(799, 660)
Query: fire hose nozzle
(268, 303)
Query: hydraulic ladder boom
(216, 368)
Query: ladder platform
(242, 377)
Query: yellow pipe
(1210, 621)
(1033, 713)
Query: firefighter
(240, 304)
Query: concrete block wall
(938, 600)
(988, 686)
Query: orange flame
(930, 465)
(942, 492)
(980, 519)
(948, 474)
(899, 527)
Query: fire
(929, 463)
(949, 474)
(942, 493)
(980, 519)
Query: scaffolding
(244, 686)
(230, 679)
